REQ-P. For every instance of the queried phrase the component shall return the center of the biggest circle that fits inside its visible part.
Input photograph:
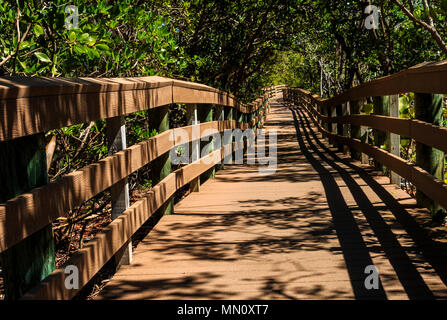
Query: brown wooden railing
(33, 105)
(424, 80)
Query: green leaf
(23, 64)
(54, 70)
(92, 53)
(182, 65)
(38, 30)
(91, 41)
(42, 57)
(367, 108)
(84, 37)
(79, 49)
(72, 36)
(102, 47)
(24, 45)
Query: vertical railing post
(116, 141)
(253, 116)
(428, 108)
(266, 107)
(381, 107)
(321, 109)
(264, 110)
(228, 138)
(220, 116)
(323, 113)
(241, 123)
(394, 138)
(327, 125)
(23, 167)
(194, 145)
(333, 126)
(358, 132)
(339, 126)
(238, 117)
(205, 113)
(317, 107)
(345, 112)
(161, 167)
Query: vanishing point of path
(306, 232)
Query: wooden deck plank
(306, 232)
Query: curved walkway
(306, 232)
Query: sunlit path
(306, 232)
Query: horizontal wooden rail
(427, 77)
(423, 180)
(422, 132)
(29, 212)
(427, 133)
(33, 105)
(101, 249)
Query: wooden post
(394, 138)
(428, 108)
(161, 167)
(339, 126)
(116, 140)
(22, 168)
(255, 115)
(194, 146)
(220, 116)
(265, 106)
(325, 112)
(255, 124)
(381, 107)
(228, 139)
(320, 110)
(240, 117)
(205, 114)
(345, 127)
(250, 119)
(333, 126)
(358, 132)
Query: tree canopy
(237, 46)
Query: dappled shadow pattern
(396, 255)
(431, 244)
(307, 232)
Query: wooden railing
(425, 80)
(34, 105)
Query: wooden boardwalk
(306, 232)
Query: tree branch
(431, 29)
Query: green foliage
(367, 108)
(112, 39)
(179, 151)
(289, 67)
(339, 52)
(406, 106)
(77, 146)
(239, 47)
(147, 183)
(230, 44)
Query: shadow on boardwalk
(307, 232)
